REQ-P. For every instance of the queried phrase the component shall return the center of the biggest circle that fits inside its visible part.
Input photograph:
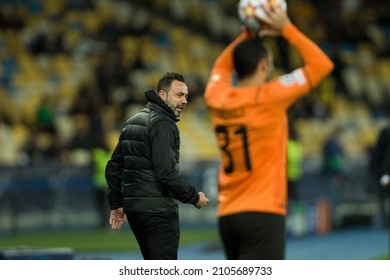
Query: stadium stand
(106, 53)
(68, 66)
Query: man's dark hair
(166, 80)
(247, 55)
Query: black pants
(253, 236)
(157, 234)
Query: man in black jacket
(143, 172)
(380, 170)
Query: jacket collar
(156, 102)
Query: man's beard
(170, 106)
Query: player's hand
(202, 202)
(117, 218)
(274, 22)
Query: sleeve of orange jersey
(317, 64)
(221, 74)
(284, 90)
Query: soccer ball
(250, 10)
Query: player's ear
(263, 65)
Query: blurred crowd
(71, 71)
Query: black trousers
(253, 236)
(157, 234)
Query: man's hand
(275, 21)
(202, 202)
(117, 218)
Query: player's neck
(255, 80)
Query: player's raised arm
(317, 63)
(224, 62)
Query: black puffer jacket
(380, 159)
(143, 172)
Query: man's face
(176, 97)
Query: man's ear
(162, 94)
(263, 65)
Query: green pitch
(103, 240)
(96, 241)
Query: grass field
(103, 240)
(94, 241)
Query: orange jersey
(251, 127)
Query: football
(250, 10)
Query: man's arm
(224, 62)
(162, 140)
(317, 64)
(221, 73)
(284, 90)
(380, 162)
(114, 178)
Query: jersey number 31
(224, 145)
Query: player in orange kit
(250, 123)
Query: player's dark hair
(247, 55)
(166, 80)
